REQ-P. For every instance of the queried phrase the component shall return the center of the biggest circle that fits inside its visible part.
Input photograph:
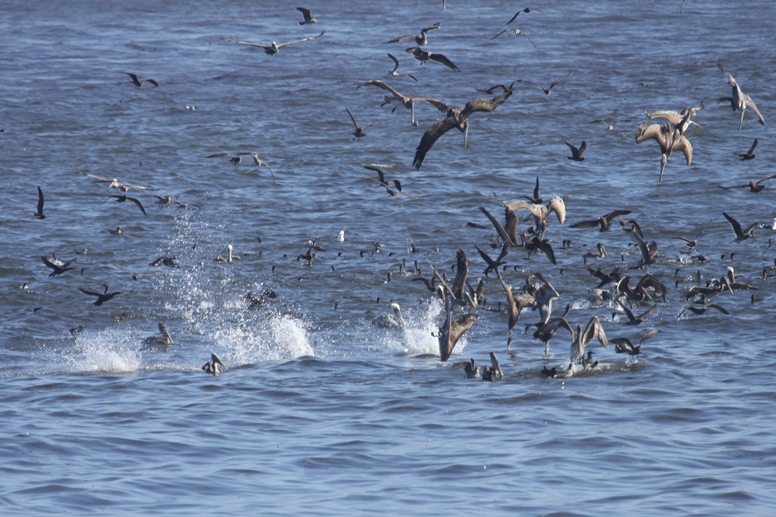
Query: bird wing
(500, 33)
(305, 12)
(441, 106)
(532, 43)
(684, 145)
(250, 44)
(672, 116)
(49, 263)
(395, 62)
(595, 330)
(735, 225)
(461, 272)
(589, 223)
(649, 335)
(627, 311)
(40, 202)
(299, 40)
(431, 27)
(558, 81)
(355, 125)
(486, 105)
(646, 313)
(139, 205)
(750, 103)
(648, 130)
(754, 146)
(497, 225)
(717, 307)
(380, 173)
(430, 137)
(381, 84)
(574, 151)
(403, 37)
(441, 58)
(87, 291)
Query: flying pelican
(754, 186)
(524, 10)
(407, 102)
(516, 32)
(390, 321)
(457, 118)
(308, 18)
(57, 266)
(39, 213)
(515, 305)
(137, 82)
(114, 183)
(452, 329)
(679, 119)
(739, 101)
(540, 212)
(421, 39)
(215, 366)
(741, 234)
(749, 155)
(163, 340)
(669, 138)
(274, 48)
(624, 345)
(122, 198)
(552, 85)
(593, 330)
(424, 55)
(358, 134)
(102, 297)
(394, 73)
(576, 153)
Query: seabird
(121, 198)
(604, 222)
(137, 82)
(390, 321)
(215, 366)
(540, 212)
(588, 363)
(229, 257)
(739, 101)
(493, 265)
(623, 345)
(753, 186)
(741, 234)
(702, 310)
(424, 55)
(553, 372)
(492, 372)
(112, 183)
(636, 320)
(508, 231)
(691, 243)
(552, 85)
(516, 32)
(609, 127)
(452, 329)
(680, 120)
(601, 253)
(545, 332)
(593, 330)
(101, 297)
(457, 118)
(421, 39)
(57, 266)
(273, 49)
(394, 73)
(472, 371)
(359, 131)
(160, 340)
(39, 213)
(576, 153)
(515, 305)
(308, 18)
(164, 261)
(669, 138)
(749, 155)
(407, 102)
(524, 10)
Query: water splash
(108, 351)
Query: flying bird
(593, 330)
(515, 32)
(669, 138)
(452, 329)
(421, 39)
(394, 73)
(604, 222)
(524, 10)
(576, 154)
(741, 234)
(274, 48)
(682, 120)
(404, 100)
(424, 55)
(754, 186)
(358, 134)
(609, 127)
(739, 101)
(698, 311)
(102, 297)
(308, 18)
(552, 85)
(749, 155)
(540, 212)
(57, 267)
(39, 213)
(633, 319)
(121, 198)
(623, 345)
(137, 82)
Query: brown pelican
(576, 154)
(636, 320)
(545, 295)
(407, 102)
(741, 234)
(516, 32)
(274, 48)
(452, 329)
(421, 39)
(669, 138)
(702, 310)
(308, 18)
(215, 366)
(39, 213)
(754, 186)
(593, 330)
(424, 55)
(102, 297)
(515, 305)
(604, 222)
(492, 372)
(540, 212)
(552, 85)
(358, 134)
(739, 101)
(680, 120)
(137, 82)
(472, 371)
(624, 345)
(163, 340)
(390, 321)
(524, 10)
(124, 197)
(57, 266)
(394, 73)
(749, 155)
(229, 256)
(601, 253)
(553, 372)
(508, 232)
(114, 183)
(457, 118)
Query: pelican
(39, 213)
(516, 32)
(358, 134)
(137, 82)
(749, 155)
(593, 330)
(472, 371)
(123, 198)
(604, 222)
(102, 297)
(452, 329)
(394, 73)
(754, 186)
(544, 296)
(57, 266)
(390, 321)
(456, 118)
(308, 18)
(669, 138)
(492, 372)
(229, 257)
(524, 10)
(163, 340)
(407, 102)
(215, 366)
(601, 253)
(576, 153)
(739, 101)
(624, 345)
(421, 39)
(540, 212)
(112, 183)
(515, 305)
(547, 91)
(424, 55)
(741, 234)
(274, 48)
(681, 120)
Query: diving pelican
(540, 212)
(669, 138)
(452, 329)
(390, 321)
(406, 101)
(739, 101)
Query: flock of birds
(627, 289)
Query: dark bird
(122, 198)
(609, 127)
(163, 339)
(492, 372)
(39, 214)
(421, 39)
(753, 186)
(457, 118)
(57, 267)
(576, 154)
(424, 55)
(493, 265)
(404, 100)
(739, 101)
(394, 73)
(515, 305)
(524, 10)
(741, 234)
(516, 32)
(507, 232)
(101, 297)
(547, 91)
(669, 138)
(137, 82)
(274, 48)
(545, 332)
(215, 366)
(604, 222)
(588, 363)
(691, 243)
(553, 372)
(308, 18)
(358, 134)
(601, 253)
(648, 251)
(623, 345)
(452, 329)
(164, 261)
(749, 155)
(702, 310)
(636, 320)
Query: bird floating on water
(215, 366)
(164, 339)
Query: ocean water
(319, 412)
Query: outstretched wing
(301, 40)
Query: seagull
(137, 82)
(456, 118)
(623, 345)
(394, 73)
(359, 132)
(57, 267)
(754, 186)
(274, 48)
(741, 235)
(669, 139)
(39, 213)
(424, 55)
(308, 18)
(407, 102)
(516, 32)
(101, 297)
(609, 127)
(524, 10)
(163, 340)
(552, 85)
(215, 366)
(421, 39)
(576, 154)
(749, 155)
(604, 222)
(124, 197)
(390, 321)
(547, 331)
(739, 101)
